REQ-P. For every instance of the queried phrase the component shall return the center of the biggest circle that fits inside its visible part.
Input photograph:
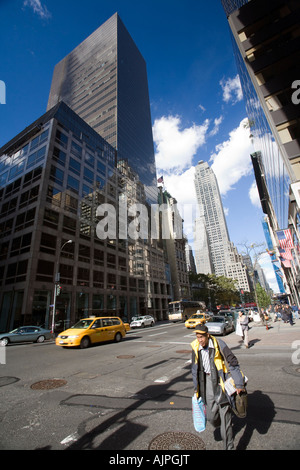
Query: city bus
(181, 310)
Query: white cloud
(217, 123)
(232, 90)
(38, 8)
(254, 195)
(176, 147)
(232, 158)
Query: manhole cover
(293, 370)
(184, 351)
(48, 384)
(125, 356)
(176, 441)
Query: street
(136, 395)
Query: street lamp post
(56, 281)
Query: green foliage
(264, 300)
(214, 290)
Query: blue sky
(197, 107)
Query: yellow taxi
(196, 319)
(92, 330)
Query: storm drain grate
(176, 441)
(48, 384)
(125, 356)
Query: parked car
(142, 321)
(196, 319)
(25, 334)
(220, 325)
(92, 330)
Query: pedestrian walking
(289, 314)
(211, 361)
(244, 322)
(295, 311)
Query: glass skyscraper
(266, 43)
(104, 80)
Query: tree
(264, 300)
(214, 290)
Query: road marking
(156, 334)
(71, 438)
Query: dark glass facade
(54, 177)
(104, 80)
(266, 41)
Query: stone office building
(53, 177)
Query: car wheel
(118, 337)
(4, 341)
(224, 332)
(84, 343)
(41, 339)
(152, 324)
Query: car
(220, 325)
(127, 326)
(25, 334)
(92, 330)
(197, 319)
(142, 321)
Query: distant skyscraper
(201, 247)
(104, 80)
(214, 253)
(210, 203)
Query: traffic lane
(53, 418)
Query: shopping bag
(238, 329)
(199, 414)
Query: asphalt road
(136, 395)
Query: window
(45, 270)
(73, 184)
(21, 244)
(48, 243)
(54, 196)
(25, 219)
(76, 149)
(69, 225)
(51, 218)
(74, 166)
(59, 156)
(88, 175)
(36, 157)
(61, 138)
(56, 175)
(16, 272)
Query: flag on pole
(160, 180)
(285, 239)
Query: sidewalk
(279, 334)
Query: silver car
(220, 325)
(25, 334)
(142, 321)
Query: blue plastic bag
(199, 414)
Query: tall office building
(214, 253)
(54, 177)
(210, 203)
(266, 42)
(104, 80)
